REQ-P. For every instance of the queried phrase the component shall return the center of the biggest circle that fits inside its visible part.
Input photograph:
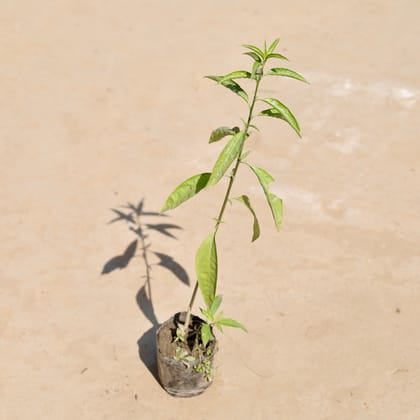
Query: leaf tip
(211, 77)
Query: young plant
(233, 156)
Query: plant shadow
(133, 216)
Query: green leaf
(215, 305)
(286, 73)
(255, 49)
(275, 203)
(186, 190)
(254, 55)
(273, 46)
(256, 228)
(276, 206)
(206, 268)
(207, 314)
(228, 322)
(221, 132)
(206, 334)
(256, 70)
(272, 113)
(239, 74)
(277, 55)
(285, 112)
(231, 85)
(263, 176)
(226, 157)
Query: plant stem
(188, 317)
(225, 200)
(238, 160)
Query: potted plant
(186, 343)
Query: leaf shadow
(163, 228)
(121, 261)
(177, 269)
(146, 306)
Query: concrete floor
(104, 104)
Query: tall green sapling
(233, 156)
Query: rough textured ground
(104, 103)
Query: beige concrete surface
(104, 103)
